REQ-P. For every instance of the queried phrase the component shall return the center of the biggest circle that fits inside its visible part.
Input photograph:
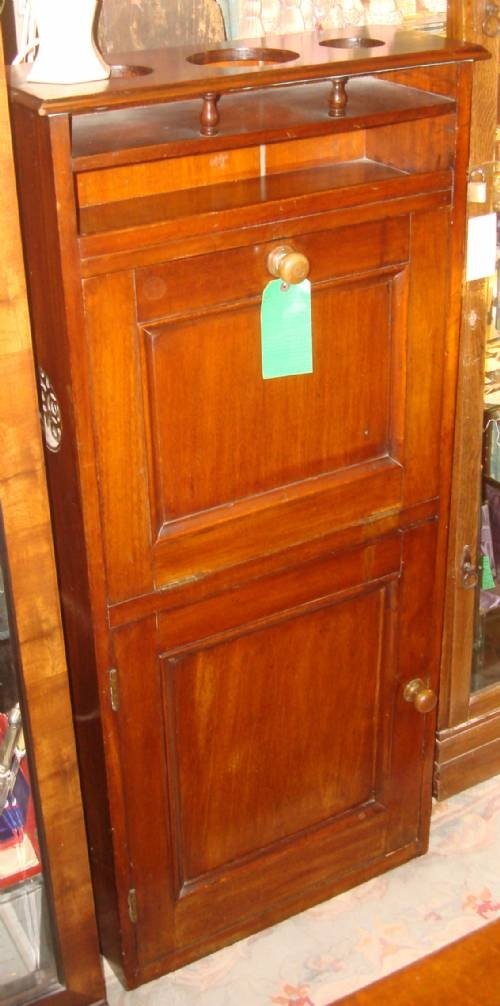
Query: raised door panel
(284, 684)
(286, 761)
(242, 435)
(264, 464)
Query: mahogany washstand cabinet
(251, 569)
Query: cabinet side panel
(23, 497)
(43, 255)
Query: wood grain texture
(177, 78)
(466, 972)
(250, 673)
(454, 708)
(75, 511)
(258, 563)
(23, 497)
(148, 24)
(165, 131)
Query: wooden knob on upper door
(423, 698)
(287, 264)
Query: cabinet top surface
(146, 77)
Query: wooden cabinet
(468, 738)
(250, 568)
(48, 935)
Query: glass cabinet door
(27, 960)
(486, 648)
(467, 749)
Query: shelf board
(113, 227)
(133, 135)
(227, 196)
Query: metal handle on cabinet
(287, 264)
(51, 412)
(491, 23)
(423, 698)
(468, 570)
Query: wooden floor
(465, 973)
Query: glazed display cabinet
(27, 959)
(245, 267)
(468, 737)
(48, 949)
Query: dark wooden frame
(468, 737)
(53, 129)
(24, 503)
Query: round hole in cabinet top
(129, 70)
(353, 42)
(246, 56)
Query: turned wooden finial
(209, 118)
(338, 97)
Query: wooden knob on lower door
(287, 264)
(423, 698)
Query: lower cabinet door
(269, 756)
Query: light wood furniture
(468, 738)
(251, 569)
(46, 705)
(467, 972)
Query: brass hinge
(469, 572)
(132, 905)
(114, 692)
(491, 22)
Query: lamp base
(67, 53)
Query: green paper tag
(286, 330)
(487, 581)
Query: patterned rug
(352, 940)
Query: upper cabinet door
(218, 466)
